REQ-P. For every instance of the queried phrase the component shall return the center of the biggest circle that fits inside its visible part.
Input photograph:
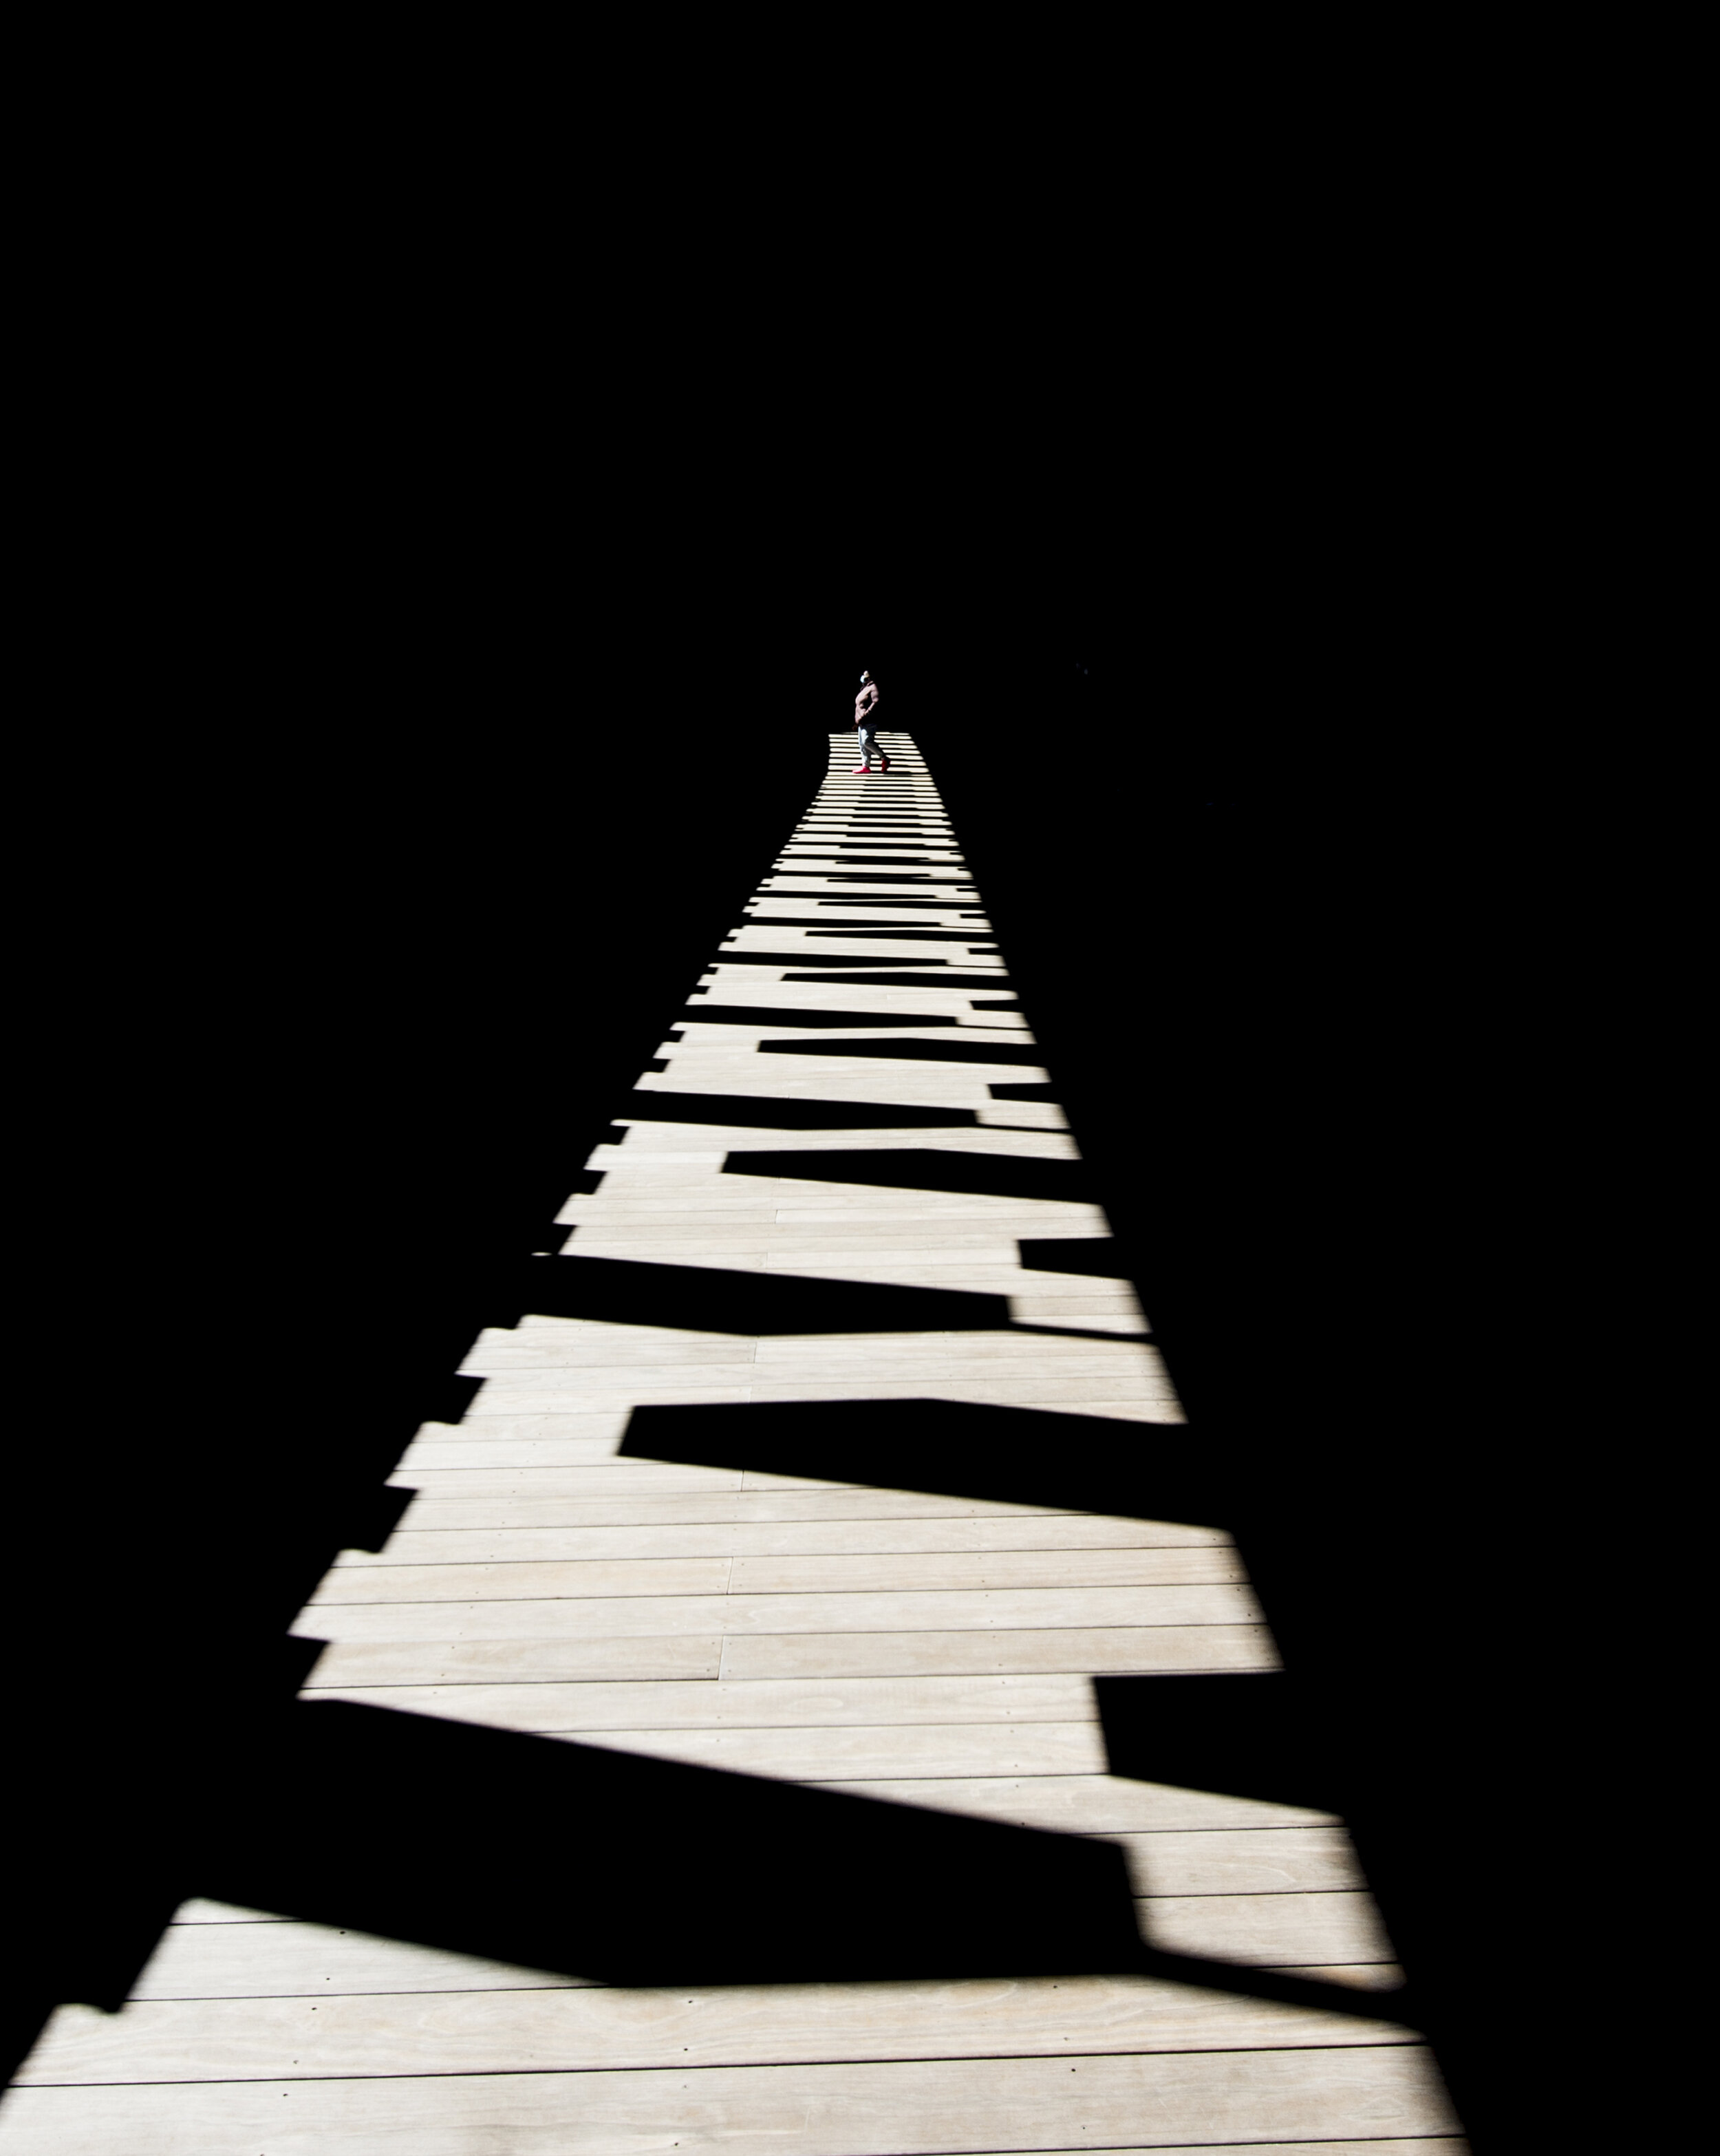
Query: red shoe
(861, 771)
(887, 763)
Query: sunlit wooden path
(933, 1651)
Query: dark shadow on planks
(954, 1448)
(604, 1864)
(1281, 978)
(1096, 1256)
(584, 1861)
(1258, 1735)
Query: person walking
(864, 705)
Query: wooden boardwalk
(852, 1099)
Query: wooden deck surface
(922, 1649)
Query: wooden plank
(1123, 1318)
(585, 1344)
(1270, 1860)
(783, 1704)
(991, 1224)
(983, 1265)
(488, 1418)
(347, 1585)
(835, 1069)
(1056, 1395)
(1420, 2145)
(859, 1242)
(596, 2028)
(931, 1650)
(949, 1259)
(812, 1755)
(955, 1610)
(197, 1911)
(712, 1209)
(1119, 1650)
(1279, 1930)
(814, 1202)
(870, 1571)
(602, 1422)
(580, 1341)
(247, 1961)
(569, 1348)
(607, 1478)
(846, 1536)
(907, 2107)
(1091, 1804)
(683, 1656)
(753, 1078)
(514, 1392)
(1354, 1976)
(961, 1357)
(849, 1502)
(879, 1574)
(475, 1447)
(1073, 1361)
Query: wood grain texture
(900, 2107)
(1162, 1649)
(416, 2030)
(954, 1610)
(1092, 1804)
(840, 1536)
(1121, 1650)
(242, 1960)
(868, 1572)
(1275, 1930)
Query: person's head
(864, 677)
